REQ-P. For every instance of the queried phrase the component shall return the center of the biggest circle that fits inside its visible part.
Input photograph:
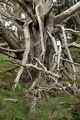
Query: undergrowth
(55, 107)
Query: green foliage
(76, 112)
(4, 60)
(19, 117)
(75, 55)
(52, 94)
(13, 110)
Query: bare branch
(48, 11)
(11, 50)
(25, 55)
(59, 18)
(41, 29)
(53, 42)
(3, 44)
(57, 50)
(9, 99)
(41, 64)
(70, 61)
(40, 69)
(74, 45)
(11, 40)
(73, 31)
(32, 16)
(66, 47)
(9, 54)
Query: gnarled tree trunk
(44, 41)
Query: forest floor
(15, 105)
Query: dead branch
(20, 22)
(11, 50)
(11, 40)
(55, 86)
(11, 69)
(59, 56)
(40, 69)
(53, 42)
(69, 55)
(41, 64)
(65, 74)
(69, 103)
(5, 2)
(59, 18)
(9, 99)
(73, 31)
(57, 50)
(48, 11)
(33, 84)
(35, 30)
(70, 61)
(74, 45)
(3, 44)
(32, 16)
(41, 29)
(25, 55)
(9, 54)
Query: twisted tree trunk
(44, 45)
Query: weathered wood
(59, 18)
(25, 55)
(11, 40)
(39, 38)
(41, 27)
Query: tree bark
(61, 17)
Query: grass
(13, 110)
(48, 109)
